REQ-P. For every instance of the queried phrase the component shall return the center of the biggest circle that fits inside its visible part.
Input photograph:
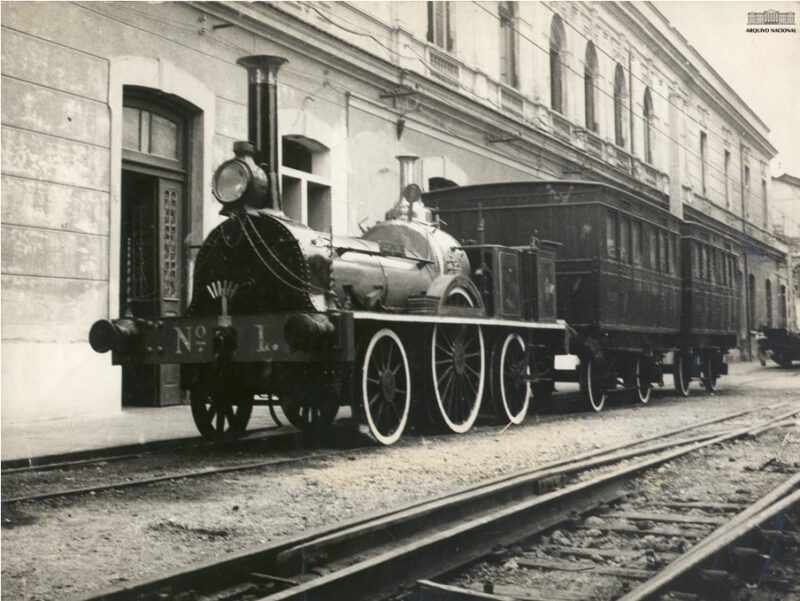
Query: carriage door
(153, 230)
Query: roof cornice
(743, 115)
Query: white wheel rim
(644, 399)
(677, 374)
(519, 417)
(710, 380)
(473, 415)
(374, 430)
(597, 404)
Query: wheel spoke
(448, 352)
(444, 373)
(473, 370)
(471, 385)
(389, 356)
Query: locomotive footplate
(277, 337)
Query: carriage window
(624, 239)
(714, 265)
(636, 242)
(709, 264)
(652, 242)
(612, 234)
(673, 257)
(699, 255)
(703, 262)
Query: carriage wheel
(220, 420)
(643, 386)
(591, 382)
(709, 376)
(680, 374)
(512, 390)
(782, 359)
(309, 418)
(386, 387)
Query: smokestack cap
(262, 68)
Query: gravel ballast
(58, 548)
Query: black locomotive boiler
(645, 292)
(402, 320)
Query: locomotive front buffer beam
(284, 337)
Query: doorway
(153, 228)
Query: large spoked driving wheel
(592, 386)
(680, 374)
(510, 377)
(385, 387)
(309, 418)
(220, 419)
(458, 370)
(643, 386)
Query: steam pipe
(262, 115)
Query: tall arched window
(751, 301)
(647, 117)
(589, 82)
(768, 295)
(619, 105)
(557, 47)
(508, 43)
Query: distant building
(786, 225)
(115, 115)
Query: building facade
(786, 225)
(115, 115)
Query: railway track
(376, 556)
(41, 495)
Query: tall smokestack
(408, 170)
(262, 113)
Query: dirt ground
(61, 548)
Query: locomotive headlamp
(231, 181)
(240, 180)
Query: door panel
(170, 194)
(151, 271)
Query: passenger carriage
(620, 277)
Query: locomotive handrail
(340, 250)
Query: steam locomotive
(402, 322)
(411, 322)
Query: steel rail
(77, 491)
(71, 492)
(136, 450)
(777, 501)
(362, 533)
(434, 553)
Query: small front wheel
(220, 419)
(309, 418)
